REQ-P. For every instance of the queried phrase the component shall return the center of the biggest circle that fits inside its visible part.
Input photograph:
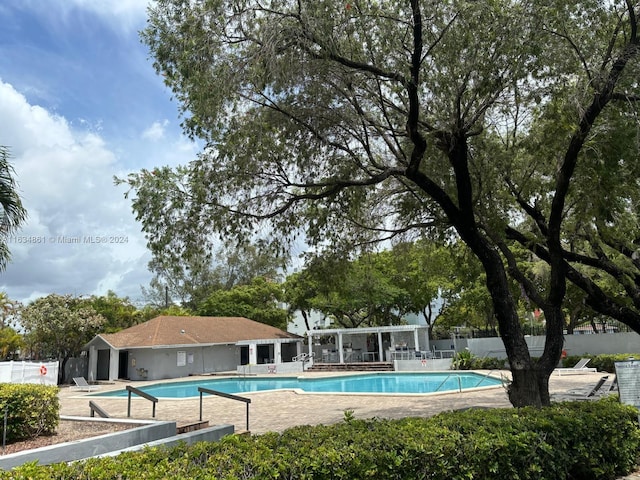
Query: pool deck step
(191, 427)
(352, 367)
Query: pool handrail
(445, 381)
(142, 394)
(247, 401)
(484, 377)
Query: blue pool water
(390, 383)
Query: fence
(45, 373)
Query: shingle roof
(166, 331)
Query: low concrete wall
(431, 365)
(211, 434)
(264, 368)
(90, 447)
(573, 344)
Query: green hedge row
(585, 440)
(31, 410)
(604, 363)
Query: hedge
(31, 410)
(585, 440)
(604, 362)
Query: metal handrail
(142, 394)
(95, 408)
(247, 401)
(484, 377)
(445, 381)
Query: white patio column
(416, 340)
(93, 363)
(310, 337)
(253, 354)
(114, 363)
(277, 352)
(380, 352)
(340, 349)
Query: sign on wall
(182, 359)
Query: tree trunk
(530, 385)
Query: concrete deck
(279, 410)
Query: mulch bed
(67, 431)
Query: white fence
(44, 373)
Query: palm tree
(12, 213)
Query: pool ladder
(484, 377)
(445, 381)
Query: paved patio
(279, 410)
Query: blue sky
(80, 103)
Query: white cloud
(80, 237)
(156, 130)
(123, 15)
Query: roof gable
(166, 331)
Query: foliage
(586, 440)
(8, 311)
(259, 301)
(118, 313)
(12, 213)
(11, 342)
(463, 360)
(507, 125)
(58, 326)
(189, 281)
(31, 410)
(353, 293)
(602, 362)
(378, 288)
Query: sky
(81, 103)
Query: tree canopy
(259, 300)
(507, 124)
(58, 326)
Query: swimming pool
(377, 383)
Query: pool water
(389, 383)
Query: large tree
(354, 122)
(12, 213)
(354, 293)
(119, 313)
(58, 326)
(259, 300)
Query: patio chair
(83, 386)
(580, 367)
(598, 391)
(598, 386)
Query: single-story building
(173, 347)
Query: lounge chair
(598, 386)
(580, 367)
(83, 386)
(598, 391)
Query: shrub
(31, 410)
(463, 360)
(586, 440)
(604, 362)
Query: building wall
(161, 363)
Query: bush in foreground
(580, 440)
(31, 410)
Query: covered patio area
(369, 344)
